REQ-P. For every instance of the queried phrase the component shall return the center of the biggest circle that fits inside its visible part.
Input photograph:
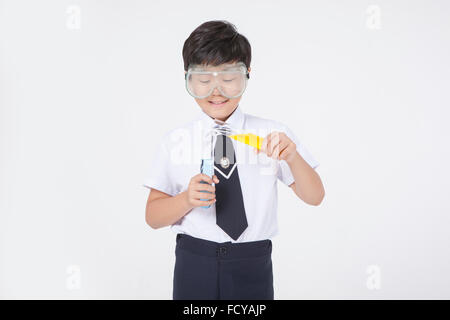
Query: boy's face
(216, 105)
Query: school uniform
(224, 251)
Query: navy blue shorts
(211, 271)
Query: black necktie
(230, 211)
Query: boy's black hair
(216, 42)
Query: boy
(224, 223)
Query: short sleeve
(158, 175)
(284, 172)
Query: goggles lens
(231, 82)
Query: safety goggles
(231, 80)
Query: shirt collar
(236, 120)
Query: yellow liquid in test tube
(249, 138)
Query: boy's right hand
(194, 192)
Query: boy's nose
(216, 92)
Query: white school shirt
(178, 158)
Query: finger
(272, 140)
(273, 148)
(270, 145)
(203, 195)
(204, 177)
(275, 152)
(265, 143)
(215, 179)
(283, 148)
(199, 203)
(280, 147)
(205, 187)
(287, 151)
(275, 139)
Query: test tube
(207, 166)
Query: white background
(88, 87)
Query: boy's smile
(218, 107)
(218, 103)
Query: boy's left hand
(278, 146)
